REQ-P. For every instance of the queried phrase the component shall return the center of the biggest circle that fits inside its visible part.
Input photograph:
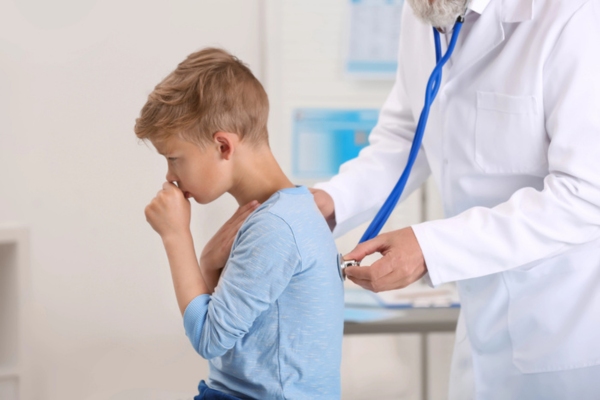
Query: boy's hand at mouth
(169, 212)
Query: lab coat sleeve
(534, 225)
(363, 184)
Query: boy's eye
(171, 159)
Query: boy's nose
(171, 177)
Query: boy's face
(199, 173)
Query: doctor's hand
(402, 262)
(169, 212)
(325, 205)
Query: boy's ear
(227, 143)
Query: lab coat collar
(488, 31)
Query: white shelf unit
(14, 264)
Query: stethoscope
(433, 85)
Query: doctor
(513, 143)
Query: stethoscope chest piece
(342, 264)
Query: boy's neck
(257, 176)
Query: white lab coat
(513, 143)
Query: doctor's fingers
(376, 273)
(388, 282)
(387, 273)
(377, 244)
(362, 283)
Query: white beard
(438, 13)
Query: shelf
(6, 373)
(9, 388)
(14, 266)
(9, 305)
(12, 234)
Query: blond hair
(210, 91)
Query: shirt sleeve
(264, 259)
(364, 183)
(537, 224)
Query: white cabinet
(13, 266)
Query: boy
(272, 326)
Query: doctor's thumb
(377, 244)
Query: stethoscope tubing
(433, 86)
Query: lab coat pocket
(552, 316)
(509, 134)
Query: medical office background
(87, 309)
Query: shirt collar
(478, 5)
(511, 10)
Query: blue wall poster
(323, 139)
(372, 38)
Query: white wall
(74, 74)
(73, 77)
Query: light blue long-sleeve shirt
(273, 327)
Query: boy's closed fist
(169, 212)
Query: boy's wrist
(177, 238)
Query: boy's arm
(187, 278)
(217, 250)
(169, 215)
(260, 268)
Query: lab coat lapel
(488, 31)
(485, 35)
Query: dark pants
(207, 393)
